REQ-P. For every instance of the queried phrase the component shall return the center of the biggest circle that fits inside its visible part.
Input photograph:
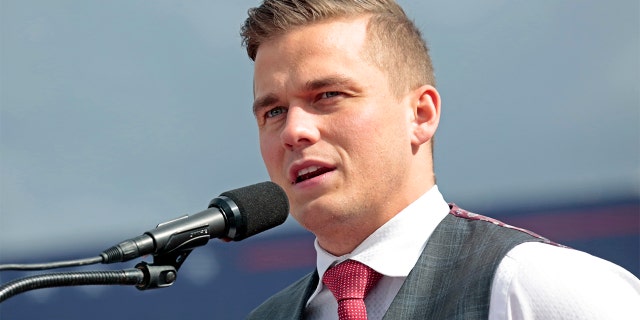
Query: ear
(426, 114)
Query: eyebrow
(327, 82)
(263, 102)
(311, 85)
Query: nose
(300, 130)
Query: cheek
(379, 132)
(357, 135)
(367, 125)
(269, 149)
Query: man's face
(332, 134)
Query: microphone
(234, 215)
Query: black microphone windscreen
(262, 206)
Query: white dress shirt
(533, 281)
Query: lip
(303, 164)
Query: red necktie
(350, 282)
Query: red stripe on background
(583, 224)
(279, 255)
(557, 225)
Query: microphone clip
(163, 272)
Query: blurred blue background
(118, 115)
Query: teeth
(307, 170)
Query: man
(347, 109)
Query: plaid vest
(451, 280)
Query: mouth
(310, 172)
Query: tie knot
(350, 280)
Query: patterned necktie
(350, 282)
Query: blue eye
(330, 94)
(275, 112)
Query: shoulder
(537, 280)
(285, 303)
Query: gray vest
(451, 280)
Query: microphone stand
(159, 274)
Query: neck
(342, 237)
(345, 241)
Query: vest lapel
(412, 300)
(303, 292)
(288, 304)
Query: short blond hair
(395, 44)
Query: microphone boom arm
(160, 274)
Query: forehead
(322, 46)
(337, 31)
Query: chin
(311, 218)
